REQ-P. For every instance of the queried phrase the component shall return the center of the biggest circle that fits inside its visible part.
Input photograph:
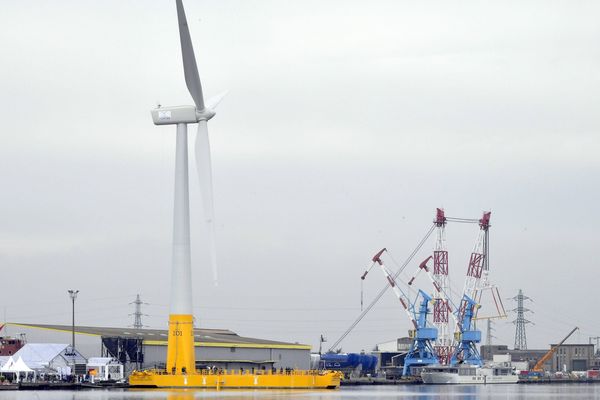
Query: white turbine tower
(182, 116)
(180, 353)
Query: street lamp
(73, 296)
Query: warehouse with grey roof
(147, 348)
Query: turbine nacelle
(180, 115)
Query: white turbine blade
(190, 69)
(214, 101)
(203, 165)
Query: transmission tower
(520, 322)
(137, 315)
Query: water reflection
(404, 392)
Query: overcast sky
(347, 123)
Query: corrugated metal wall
(283, 358)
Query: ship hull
(440, 377)
(236, 380)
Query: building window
(232, 349)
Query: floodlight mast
(73, 296)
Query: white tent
(17, 367)
(20, 366)
(51, 358)
(7, 367)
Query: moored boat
(468, 374)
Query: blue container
(349, 360)
(333, 360)
(368, 362)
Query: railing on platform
(220, 371)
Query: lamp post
(73, 296)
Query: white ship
(468, 374)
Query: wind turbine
(180, 353)
(180, 369)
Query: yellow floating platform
(237, 379)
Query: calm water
(511, 392)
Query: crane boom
(436, 286)
(404, 299)
(423, 267)
(539, 366)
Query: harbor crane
(421, 352)
(441, 307)
(442, 310)
(539, 366)
(463, 349)
(466, 335)
(455, 341)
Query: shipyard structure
(444, 343)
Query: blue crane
(421, 352)
(467, 337)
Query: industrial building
(573, 357)
(530, 356)
(568, 357)
(147, 348)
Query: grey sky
(346, 124)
